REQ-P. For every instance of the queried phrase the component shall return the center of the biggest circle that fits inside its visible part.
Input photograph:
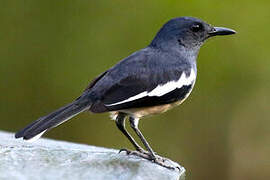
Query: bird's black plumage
(150, 79)
(142, 71)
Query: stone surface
(50, 159)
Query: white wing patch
(160, 90)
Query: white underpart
(114, 116)
(36, 137)
(162, 89)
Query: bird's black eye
(196, 27)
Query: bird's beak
(221, 31)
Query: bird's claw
(146, 155)
(124, 150)
(130, 152)
(161, 161)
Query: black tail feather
(52, 120)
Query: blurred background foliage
(50, 50)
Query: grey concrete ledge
(50, 159)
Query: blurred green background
(50, 50)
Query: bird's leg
(134, 122)
(150, 155)
(120, 122)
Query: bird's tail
(45, 123)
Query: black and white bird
(149, 81)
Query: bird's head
(187, 32)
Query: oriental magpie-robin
(149, 81)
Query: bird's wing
(137, 82)
(94, 81)
(142, 91)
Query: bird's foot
(164, 162)
(155, 159)
(130, 152)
